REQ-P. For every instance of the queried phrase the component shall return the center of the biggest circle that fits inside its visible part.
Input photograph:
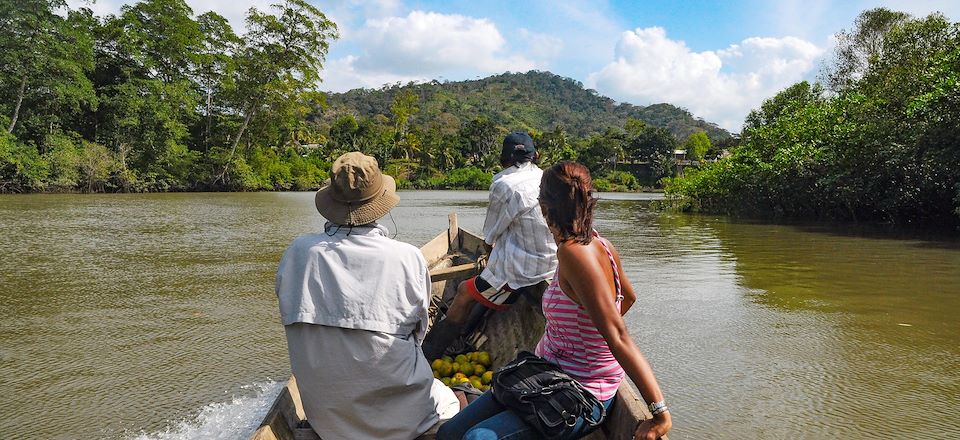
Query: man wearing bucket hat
(354, 308)
(523, 255)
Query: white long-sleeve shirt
(354, 309)
(356, 278)
(524, 252)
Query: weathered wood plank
(439, 286)
(449, 273)
(453, 231)
(306, 433)
(471, 244)
(436, 249)
(281, 420)
(626, 413)
(298, 413)
(264, 433)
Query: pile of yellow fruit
(470, 367)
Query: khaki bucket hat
(357, 192)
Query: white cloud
(815, 20)
(347, 13)
(377, 8)
(800, 18)
(100, 8)
(428, 42)
(233, 10)
(587, 25)
(423, 45)
(341, 74)
(721, 86)
(540, 46)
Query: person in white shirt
(354, 308)
(523, 256)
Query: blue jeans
(487, 419)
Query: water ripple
(152, 314)
(235, 419)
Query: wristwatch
(657, 407)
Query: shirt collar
(526, 166)
(333, 229)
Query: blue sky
(718, 59)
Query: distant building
(680, 158)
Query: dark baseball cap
(518, 147)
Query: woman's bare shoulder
(577, 253)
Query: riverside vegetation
(156, 98)
(878, 140)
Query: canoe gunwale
(285, 419)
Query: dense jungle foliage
(156, 98)
(531, 101)
(877, 141)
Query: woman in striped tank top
(584, 304)
(585, 333)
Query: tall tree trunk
(16, 109)
(236, 141)
(206, 135)
(243, 128)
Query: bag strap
(528, 391)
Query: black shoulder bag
(545, 397)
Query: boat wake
(231, 420)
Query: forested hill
(533, 100)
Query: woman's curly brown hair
(566, 195)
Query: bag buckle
(568, 419)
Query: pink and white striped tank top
(572, 341)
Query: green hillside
(534, 100)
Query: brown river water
(153, 316)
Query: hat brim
(357, 213)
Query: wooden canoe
(452, 257)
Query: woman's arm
(595, 294)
